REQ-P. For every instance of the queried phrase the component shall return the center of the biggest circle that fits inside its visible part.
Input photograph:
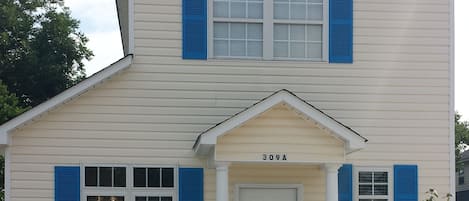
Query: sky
(99, 22)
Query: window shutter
(341, 31)
(346, 183)
(67, 183)
(194, 29)
(191, 184)
(405, 183)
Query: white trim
(452, 161)
(131, 27)
(209, 138)
(7, 173)
(388, 169)
(299, 188)
(63, 97)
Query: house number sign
(274, 157)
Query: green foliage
(433, 195)
(461, 138)
(41, 49)
(9, 105)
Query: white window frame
(299, 189)
(268, 22)
(129, 192)
(390, 172)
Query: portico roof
(208, 139)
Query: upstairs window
(268, 29)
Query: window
(268, 29)
(461, 175)
(122, 183)
(374, 184)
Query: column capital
(331, 167)
(222, 165)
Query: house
(462, 187)
(242, 100)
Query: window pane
(365, 190)
(105, 176)
(297, 32)
(238, 48)
(381, 177)
(139, 177)
(92, 198)
(314, 33)
(254, 31)
(254, 49)
(364, 177)
(255, 10)
(281, 11)
(119, 177)
(381, 190)
(314, 50)
(220, 9)
(153, 198)
(168, 177)
(297, 50)
(238, 9)
(105, 198)
(153, 177)
(220, 30)
(298, 11)
(315, 12)
(166, 199)
(220, 48)
(280, 32)
(140, 198)
(281, 49)
(238, 31)
(91, 176)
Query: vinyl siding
(280, 130)
(396, 94)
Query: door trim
(298, 187)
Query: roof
(63, 97)
(465, 156)
(208, 138)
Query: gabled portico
(281, 130)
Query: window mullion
(268, 30)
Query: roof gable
(352, 139)
(63, 97)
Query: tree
(41, 49)
(461, 138)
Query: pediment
(310, 115)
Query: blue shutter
(194, 29)
(67, 183)
(405, 183)
(341, 31)
(191, 184)
(346, 183)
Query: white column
(222, 182)
(332, 181)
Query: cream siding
(280, 130)
(396, 94)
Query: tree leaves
(461, 138)
(41, 49)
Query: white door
(268, 194)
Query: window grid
(307, 41)
(247, 5)
(127, 193)
(246, 39)
(373, 183)
(305, 2)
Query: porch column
(332, 181)
(222, 182)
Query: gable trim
(63, 97)
(206, 140)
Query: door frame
(298, 187)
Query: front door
(268, 194)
